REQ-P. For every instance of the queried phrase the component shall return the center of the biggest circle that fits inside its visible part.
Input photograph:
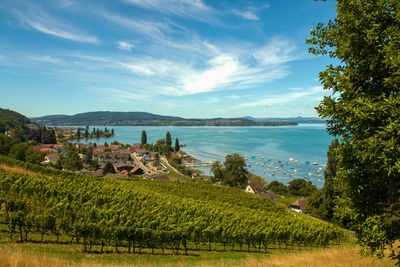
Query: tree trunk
(20, 233)
(102, 246)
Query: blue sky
(189, 58)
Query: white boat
(310, 174)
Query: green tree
(73, 162)
(48, 136)
(301, 187)
(87, 132)
(177, 147)
(6, 143)
(23, 152)
(364, 111)
(168, 140)
(144, 137)
(108, 168)
(328, 190)
(234, 171)
(277, 187)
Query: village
(136, 161)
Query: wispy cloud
(125, 46)
(246, 14)
(177, 7)
(46, 58)
(249, 13)
(119, 95)
(276, 52)
(36, 18)
(219, 70)
(282, 98)
(146, 27)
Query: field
(37, 255)
(52, 218)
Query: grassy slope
(50, 254)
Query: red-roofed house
(51, 158)
(46, 150)
(254, 187)
(299, 205)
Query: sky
(188, 58)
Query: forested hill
(13, 121)
(144, 119)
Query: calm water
(305, 144)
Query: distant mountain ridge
(292, 119)
(113, 118)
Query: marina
(282, 153)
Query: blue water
(304, 143)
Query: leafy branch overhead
(363, 111)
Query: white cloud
(221, 69)
(177, 7)
(276, 52)
(281, 99)
(2, 58)
(250, 13)
(36, 18)
(46, 58)
(246, 14)
(150, 28)
(119, 95)
(125, 46)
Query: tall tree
(87, 131)
(329, 175)
(78, 133)
(144, 137)
(108, 168)
(218, 172)
(73, 162)
(177, 147)
(364, 39)
(168, 140)
(48, 136)
(234, 170)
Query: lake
(275, 153)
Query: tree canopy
(232, 173)
(364, 112)
(144, 137)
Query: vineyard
(138, 214)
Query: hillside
(109, 118)
(157, 215)
(15, 122)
